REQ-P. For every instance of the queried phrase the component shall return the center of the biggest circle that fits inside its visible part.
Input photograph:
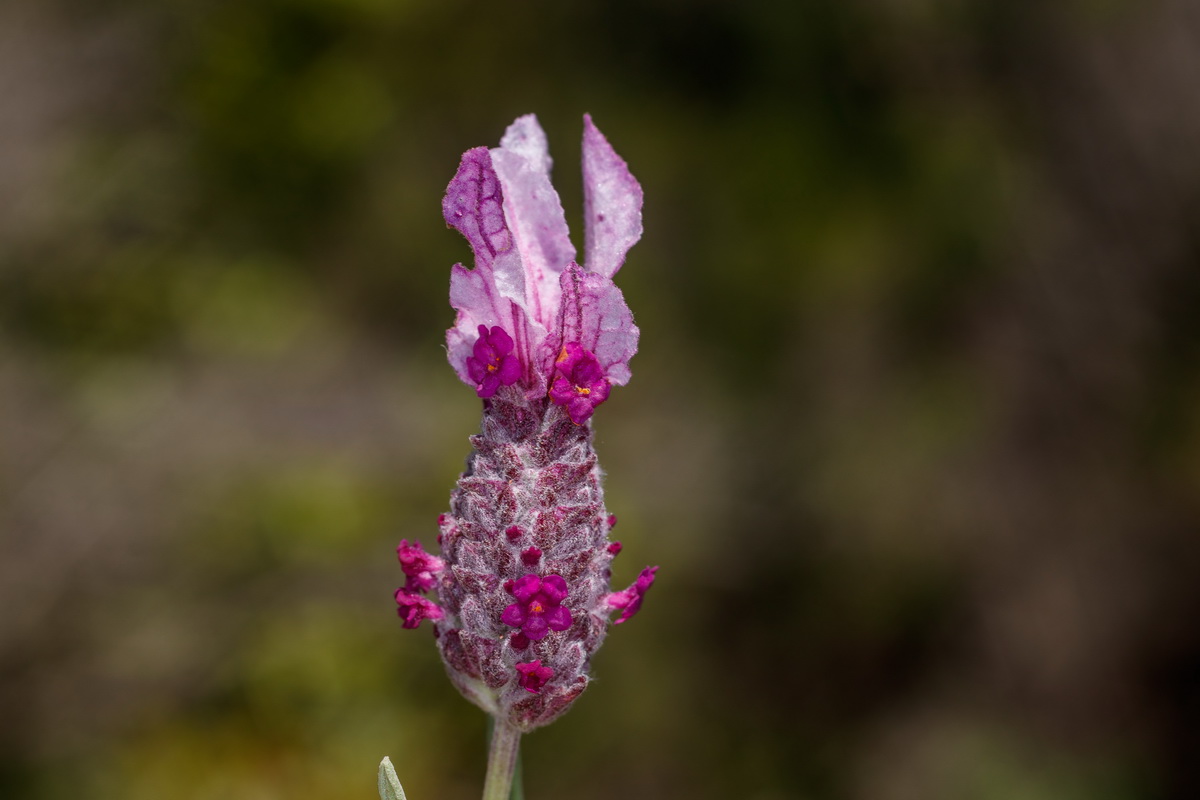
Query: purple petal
(532, 676)
(594, 314)
(418, 566)
(475, 369)
(534, 214)
(525, 138)
(526, 587)
(645, 580)
(558, 618)
(514, 615)
(493, 293)
(555, 588)
(587, 372)
(620, 599)
(488, 385)
(412, 608)
(561, 391)
(422, 581)
(535, 627)
(510, 370)
(631, 599)
(500, 341)
(612, 204)
(580, 410)
(480, 349)
(474, 206)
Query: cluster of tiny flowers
(523, 577)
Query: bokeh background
(914, 431)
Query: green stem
(518, 786)
(502, 759)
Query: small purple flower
(579, 382)
(493, 363)
(631, 599)
(419, 567)
(412, 608)
(533, 675)
(538, 610)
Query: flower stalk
(502, 761)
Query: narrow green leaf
(389, 784)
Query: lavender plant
(523, 578)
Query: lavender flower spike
(522, 582)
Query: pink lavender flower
(523, 580)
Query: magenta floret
(579, 383)
(419, 567)
(412, 608)
(493, 363)
(533, 675)
(538, 609)
(631, 599)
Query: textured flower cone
(530, 503)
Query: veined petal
(493, 293)
(474, 206)
(612, 204)
(534, 215)
(593, 313)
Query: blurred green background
(914, 430)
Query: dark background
(914, 431)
